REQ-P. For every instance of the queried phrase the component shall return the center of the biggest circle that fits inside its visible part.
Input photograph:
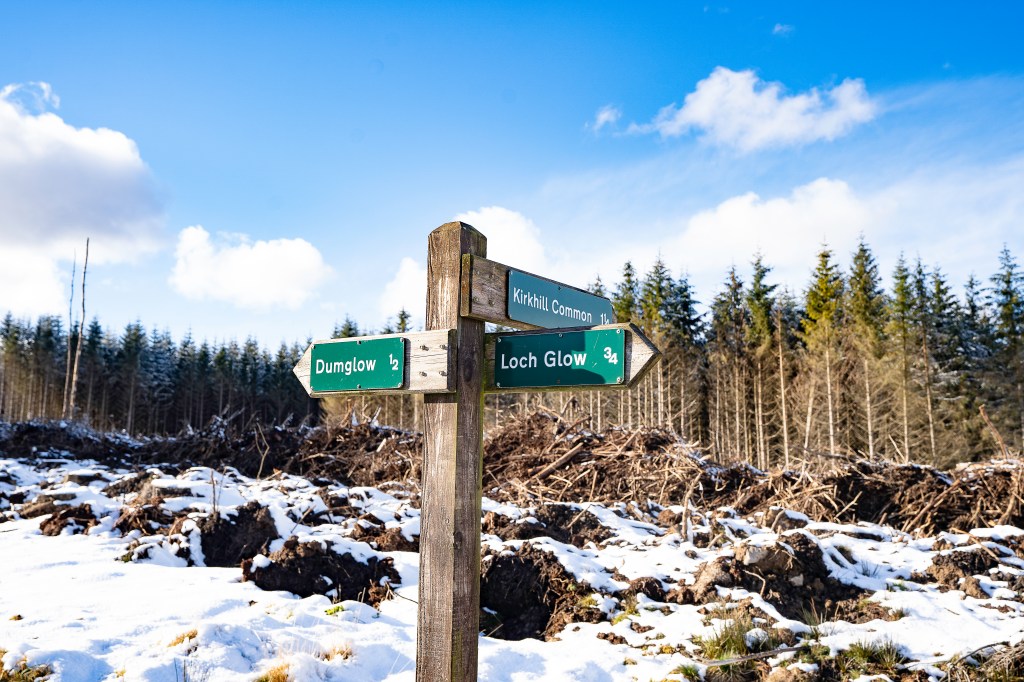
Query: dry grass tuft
(279, 673)
(183, 637)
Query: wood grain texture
(449, 587)
(485, 291)
(641, 357)
(429, 363)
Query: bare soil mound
(561, 522)
(531, 594)
(229, 539)
(308, 568)
(790, 574)
(77, 519)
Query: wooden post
(449, 587)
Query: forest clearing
(621, 554)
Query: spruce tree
(821, 318)
(901, 314)
(626, 299)
(1007, 300)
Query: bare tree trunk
(828, 393)
(81, 338)
(868, 408)
(782, 402)
(762, 449)
(736, 408)
(661, 398)
(928, 395)
(719, 424)
(67, 360)
(810, 412)
(906, 407)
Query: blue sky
(266, 168)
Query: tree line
(914, 372)
(846, 367)
(143, 382)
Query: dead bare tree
(81, 338)
(67, 361)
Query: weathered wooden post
(452, 362)
(449, 587)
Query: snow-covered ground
(101, 605)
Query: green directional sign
(357, 365)
(541, 360)
(543, 303)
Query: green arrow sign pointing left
(357, 365)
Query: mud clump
(949, 569)
(227, 540)
(530, 594)
(560, 522)
(308, 568)
(385, 539)
(78, 519)
(790, 574)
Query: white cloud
(606, 117)
(254, 275)
(737, 109)
(408, 290)
(787, 231)
(782, 29)
(512, 238)
(31, 283)
(58, 185)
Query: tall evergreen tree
(901, 320)
(625, 301)
(821, 317)
(866, 309)
(654, 292)
(1007, 301)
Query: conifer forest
(837, 365)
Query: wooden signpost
(453, 363)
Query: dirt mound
(228, 539)
(308, 568)
(147, 518)
(384, 539)
(561, 522)
(950, 568)
(530, 594)
(790, 574)
(77, 519)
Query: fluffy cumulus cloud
(739, 110)
(407, 290)
(58, 185)
(512, 238)
(787, 231)
(258, 275)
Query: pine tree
(626, 299)
(821, 318)
(403, 321)
(346, 329)
(726, 354)
(759, 336)
(901, 311)
(1007, 300)
(654, 292)
(866, 309)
